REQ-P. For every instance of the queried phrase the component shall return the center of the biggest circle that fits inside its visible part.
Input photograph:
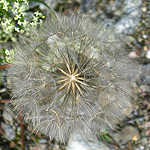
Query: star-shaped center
(72, 77)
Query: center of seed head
(72, 77)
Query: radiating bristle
(71, 76)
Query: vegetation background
(14, 134)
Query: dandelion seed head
(71, 76)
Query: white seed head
(71, 76)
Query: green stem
(45, 5)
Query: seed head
(71, 76)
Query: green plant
(105, 136)
(14, 19)
(71, 76)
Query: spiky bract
(71, 75)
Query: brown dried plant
(71, 76)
